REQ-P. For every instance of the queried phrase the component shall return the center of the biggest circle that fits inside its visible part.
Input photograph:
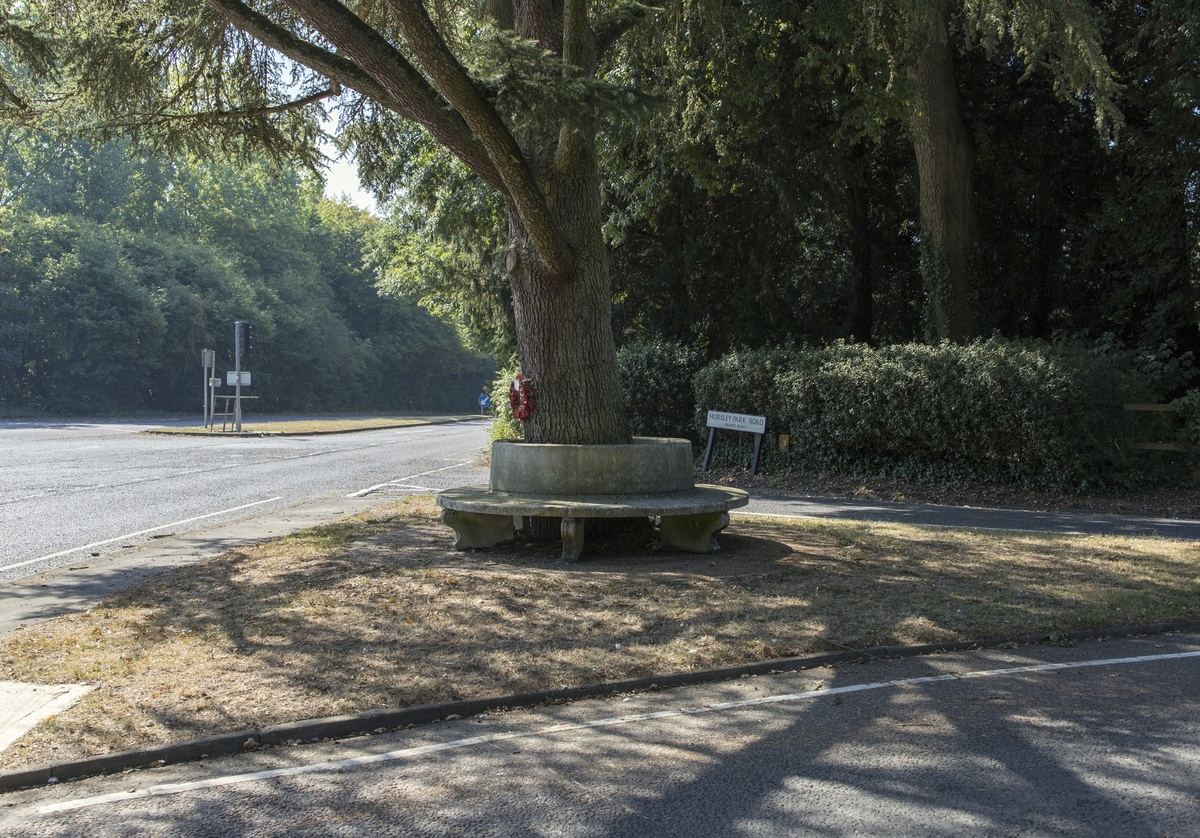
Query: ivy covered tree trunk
(949, 227)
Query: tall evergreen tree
(1058, 35)
(511, 91)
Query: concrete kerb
(449, 420)
(375, 721)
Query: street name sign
(723, 420)
(737, 422)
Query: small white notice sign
(231, 378)
(737, 422)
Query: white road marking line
(457, 744)
(848, 519)
(139, 532)
(364, 492)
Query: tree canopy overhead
(509, 89)
(802, 159)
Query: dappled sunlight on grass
(379, 611)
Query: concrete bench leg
(475, 529)
(693, 533)
(572, 538)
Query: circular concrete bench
(644, 466)
(688, 518)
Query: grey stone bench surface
(703, 498)
(688, 519)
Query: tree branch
(612, 24)
(335, 89)
(452, 81)
(576, 61)
(389, 80)
(24, 111)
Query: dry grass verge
(310, 426)
(378, 611)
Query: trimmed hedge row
(1029, 413)
(1016, 412)
(656, 380)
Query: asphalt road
(1095, 740)
(995, 744)
(1013, 520)
(75, 491)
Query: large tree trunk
(858, 222)
(564, 323)
(547, 174)
(564, 319)
(949, 233)
(565, 343)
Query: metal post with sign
(237, 377)
(208, 360)
(719, 419)
(213, 384)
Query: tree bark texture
(858, 222)
(564, 323)
(950, 233)
(564, 318)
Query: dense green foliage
(1041, 415)
(770, 198)
(504, 426)
(656, 380)
(115, 272)
(776, 199)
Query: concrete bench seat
(689, 518)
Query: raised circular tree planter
(649, 477)
(647, 465)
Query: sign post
(756, 425)
(208, 360)
(237, 368)
(243, 343)
(485, 401)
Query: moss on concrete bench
(688, 518)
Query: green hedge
(656, 381)
(505, 426)
(1029, 413)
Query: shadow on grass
(384, 614)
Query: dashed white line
(139, 532)
(405, 753)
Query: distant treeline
(116, 271)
